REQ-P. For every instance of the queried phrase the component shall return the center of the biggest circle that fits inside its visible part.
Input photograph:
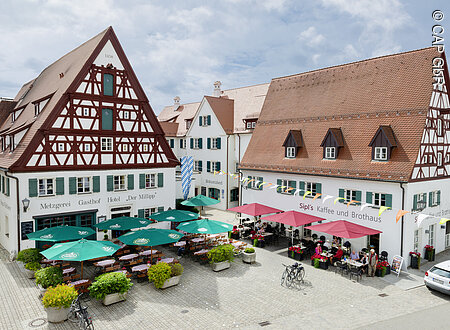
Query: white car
(438, 277)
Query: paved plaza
(243, 296)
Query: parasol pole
(151, 254)
(81, 269)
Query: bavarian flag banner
(187, 168)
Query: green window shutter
(218, 166)
(279, 184)
(107, 119)
(32, 187)
(141, 181)
(172, 143)
(292, 184)
(249, 184)
(438, 197)
(181, 143)
(200, 143)
(161, 209)
(301, 186)
(424, 197)
(200, 165)
(130, 181)
(218, 143)
(109, 183)
(415, 202)
(59, 186)
(200, 121)
(319, 189)
(208, 166)
(72, 185)
(208, 143)
(108, 84)
(140, 213)
(369, 197)
(358, 197)
(430, 198)
(192, 143)
(388, 198)
(208, 120)
(160, 180)
(96, 183)
(261, 179)
(7, 192)
(342, 195)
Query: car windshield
(440, 272)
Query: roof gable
(294, 139)
(387, 134)
(335, 134)
(224, 110)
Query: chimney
(217, 91)
(176, 101)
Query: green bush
(159, 273)
(316, 263)
(33, 266)
(249, 250)
(49, 276)
(221, 253)
(177, 270)
(29, 255)
(109, 283)
(60, 296)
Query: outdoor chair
(357, 272)
(383, 256)
(341, 267)
(324, 248)
(322, 238)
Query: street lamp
(26, 204)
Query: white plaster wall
(8, 208)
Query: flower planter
(388, 270)
(323, 264)
(217, 267)
(29, 273)
(291, 254)
(378, 272)
(56, 315)
(298, 256)
(112, 298)
(316, 263)
(430, 254)
(248, 257)
(234, 236)
(261, 244)
(312, 262)
(415, 262)
(171, 282)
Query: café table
(198, 240)
(104, 263)
(353, 263)
(129, 257)
(69, 271)
(201, 252)
(140, 268)
(180, 243)
(167, 260)
(149, 252)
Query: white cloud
(311, 37)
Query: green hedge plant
(177, 270)
(29, 255)
(60, 296)
(159, 273)
(33, 266)
(221, 253)
(49, 277)
(249, 250)
(109, 283)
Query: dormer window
(188, 123)
(292, 143)
(332, 143)
(250, 123)
(382, 144)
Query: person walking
(372, 263)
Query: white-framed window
(37, 109)
(60, 146)
(215, 166)
(250, 124)
(421, 201)
(255, 183)
(125, 147)
(107, 143)
(380, 153)
(431, 230)
(12, 145)
(204, 120)
(119, 182)
(196, 143)
(439, 127)
(439, 159)
(87, 147)
(330, 152)
(150, 180)
(145, 147)
(378, 199)
(126, 115)
(434, 198)
(350, 195)
(84, 185)
(183, 144)
(312, 187)
(197, 165)
(46, 187)
(86, 112)
(416, 240)
(188, 123)
(290, 152)
(148, 212)
(214, 143)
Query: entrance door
(375, 241)
(117, 233)
(214, 193)
(203, 189)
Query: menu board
(396, 266)
(26, 227)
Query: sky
(180, 47)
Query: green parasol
(80, 250)
(123, 223)
(175, 216)
(205, 226)
(61, 233)
(200, 200)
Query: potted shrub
(385, 265)
(57, 302)
(110, 288)
(234, 234)
(164, 275)
(249, 255)
(323, 262)
(31, 268)
(28, 255)
(48, 277)
(316, 262)
(415, 259)
(429, 252)
(221, 256)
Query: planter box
(415, 262)
(113, 298)
(298, 256)
(248, 257)
(388, 270)
(261, 244)
(171, 282)
(217, 267)
(430, 255)
(56, 315)
(323, 265)
(234, 236)
(42, 291)
(29, 273)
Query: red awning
(254, 209)
(344, 229)
(293, 218)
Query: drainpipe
(239, 171)
(17, 205)
(226, 181)
(403, 217)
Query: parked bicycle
(79, 314)
(292, 273)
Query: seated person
(317, 252)
(258, 225)
(364, 260)
(337, 256)
(354, 255)
(327, 244)
(336, 241)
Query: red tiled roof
(224, 110)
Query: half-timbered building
(373, 133)
(81, 145)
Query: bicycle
(78, 313)
(292, 272)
